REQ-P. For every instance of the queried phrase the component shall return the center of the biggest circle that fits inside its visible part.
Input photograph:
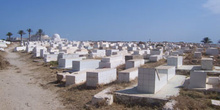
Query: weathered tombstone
(150, 81)
(207, 63)
(128, 75)
(100, 77)
(169, 70)
(176, 61)
(134, 63)
(197, 79)
(85, 64)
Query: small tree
(40, 33)
(29, 33)
(206, 40)
(21, 32)
(9, 34)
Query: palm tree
(29, 32)
(206, 40)
(21, 32)
(9, 34)
(40, 33)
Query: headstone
(150, 81)
(169, 70)
(85, 64)
(197, 79)
(207, 63)
(134, 63)
(128, 75)
(176, 61)
(100, 77)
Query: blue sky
(115, 20)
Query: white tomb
(197, 79)
(213, 80)
(64, 55)
(176, 61)
(100, 77)
(67, 62)
(112, 62)
(155, 58)
(29, 49)
(207, 63)
(134, 63)
(85, 64)
(3, 44)
(69, 50)
(37, 49)
(128, 75)
(139, 52)
(78, 77)
(212, 51)
(21, 48)
(43, 52)
(110, 51)
(50, 57)
(156, 52)
(197, 55)
(98, 53)
(150, 81)
(132, 48)
(169, 70)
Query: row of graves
(96, 63)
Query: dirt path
(20, 91)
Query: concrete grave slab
(128, 75)
(85, 64)
(100, 77)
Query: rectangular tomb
(128, 75)
(67, 62)
(197, 79)
(169, 70)
(212, 51)
(197, 55)
(207, 63)
(78, 77)
(176, 61)
(112, 62)
(85, 64)
(50, 57)
(134, 63)
(100, 77)
(150, 81)
(155, 58)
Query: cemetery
(150, 72)
(110, 55)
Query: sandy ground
(19, 90)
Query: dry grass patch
(196, 100)
(216, 60)
(154, 64)
(3, 62)
(190, 60)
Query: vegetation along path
(20, 91)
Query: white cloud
(213, 5)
